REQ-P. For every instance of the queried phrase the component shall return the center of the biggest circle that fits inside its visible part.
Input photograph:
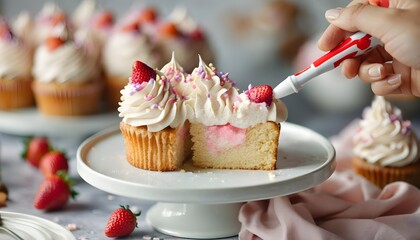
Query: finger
(359, 17)
(333, 35)
(370, 72)
(387, 86)
(350, 67)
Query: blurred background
(260, 42)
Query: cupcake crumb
(71, 227)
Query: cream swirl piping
(15, 57)
(247, 113)
(212, 95)
(152, 104)
(118, 57)
(384, 137)
(66, 64)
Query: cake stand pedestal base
(197, 221)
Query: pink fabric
(346, 206)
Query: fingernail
(333, 14)
(394, 79)
(375, 71)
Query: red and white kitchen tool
(355, 45)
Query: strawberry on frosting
(61, 59)
(261, 94)
(141, 73)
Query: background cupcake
(386, 148)
(15, 70)
(127, 44)
(66, 78)
(182, 35)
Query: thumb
(363, 17)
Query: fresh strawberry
(58, 18)
(54, 192)
(121, 223)
(259, 94)
(196, 35)
(148, 15)
(34, 149)
(169, 29)
(52, 162)
(53, 42)
(104, 19)
(142, 73)
(131, 27)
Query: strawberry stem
(63, 175)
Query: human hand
(392, 69)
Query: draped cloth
(345, 206)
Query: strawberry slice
(260, 94)
(142, 73)
(196, 35)
(131, 27)
(148, 15)
(169, 29)
(58, 18)
(53, 43)
(104, 19)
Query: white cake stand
(30, 121)
(204, 203)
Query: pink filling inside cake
(219, 138)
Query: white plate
(305, 159)
(30, 121)
(33, 228)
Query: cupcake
(182, 35)
(228, 125)
(66, 78)
(154, 131)
(127, 44)
(15, 70)
(386, 148)
(168, 113)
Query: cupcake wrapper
(67, 100)
(150, 150)
(16, 93)
(382, 176)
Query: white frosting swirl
(184, 22)
(67, 63)
(123, 48)
(15, 59)
(23, 27)
(247, 113)
(206, 96)
(211, 96)
(84, 12)
(384, 137)
(152, 104)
